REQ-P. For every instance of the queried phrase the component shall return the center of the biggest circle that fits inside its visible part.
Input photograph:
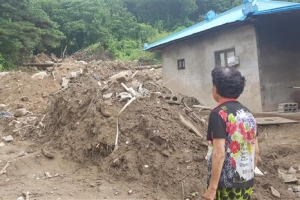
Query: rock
(22, 153)
(93, 185)
(290, 178)
(107, 96)
(2, 144)
(120, 77)
(8, 138)
(296, 189)
(198, 158)
(20, 112)
(25, 99)
(292, 171)
(20, 198)
(47, 154)
(105, 112)
(275, 192)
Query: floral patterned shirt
(235, 123)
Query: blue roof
(230, 16)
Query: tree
(168, 13)
(24, 29)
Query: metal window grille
(221, 57)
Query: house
(260, 38)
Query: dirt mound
(20, 90)
(154, 147)
(88, 55)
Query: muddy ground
(64, 145)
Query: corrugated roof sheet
(230, 16)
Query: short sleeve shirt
(235, 123)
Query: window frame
(181, 64)
(218, 60)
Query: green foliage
(120, 27)
(23, 30)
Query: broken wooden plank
(190, 126)
(274, 120)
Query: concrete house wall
(279, 58)
(199, 55)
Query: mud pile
(154, 146)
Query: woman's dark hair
(229, 82)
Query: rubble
(122, 119)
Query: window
(224, 57)
(181, 64)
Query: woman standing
(232, 137)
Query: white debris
(20, 198)
(123, 96)
(65, 83)
(3, 73)
(8, 138)
(2, 144)
(74, 74)
(40, 75)
(130, 191)
(143, 91)
(257, 172)
(48, 175)
(2, 105)
(107, 96)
